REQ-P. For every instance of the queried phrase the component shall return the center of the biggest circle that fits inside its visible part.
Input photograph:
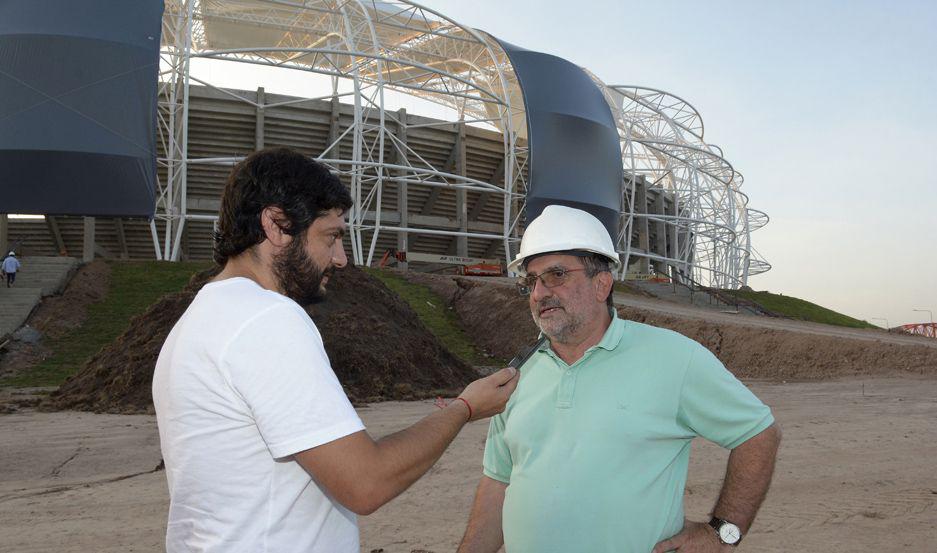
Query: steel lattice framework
(710, 224)
(921, 329)
(400, 46)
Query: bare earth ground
(857, 472)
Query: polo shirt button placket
(567, 389)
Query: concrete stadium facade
(446, 187)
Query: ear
(603, 285)
(271, 219)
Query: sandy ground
(857, 472)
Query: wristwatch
(728, 533)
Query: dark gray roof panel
(575, 156)
(78, 106)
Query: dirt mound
(746, 351)
(495, 317)
(378, 347)
(119, 377)
(784, 355)
(380, 350)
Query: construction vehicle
(468, 266)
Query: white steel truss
(375, 47)
(709, 225)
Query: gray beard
(566, 333)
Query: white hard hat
(561, 229)
(11, 253)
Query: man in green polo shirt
(591, 453)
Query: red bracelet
(462, 399)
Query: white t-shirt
(241, 384)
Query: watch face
(729, 533)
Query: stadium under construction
(451, 181)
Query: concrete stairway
(38, 277)
(681, 294)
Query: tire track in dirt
(34, 492)
(909, 504)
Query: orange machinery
(469, 266)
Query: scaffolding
(700, 222)
(376, 47)
(700, 216)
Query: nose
(339, 259)
(539, 291)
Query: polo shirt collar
(613, 333)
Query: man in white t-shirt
(263, 450)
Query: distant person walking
(10, 265)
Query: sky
(828, 109)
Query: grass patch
(796, 308)
(438, 318)
(135, 285)
(626, 288)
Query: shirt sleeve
(716, 406)
(497, 463)
(278, 365)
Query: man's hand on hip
(696, 537)
(488, 396)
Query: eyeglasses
(550, 278)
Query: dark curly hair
(303, 188)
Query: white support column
(259, 124)
(677, 230)
(355, 215)
(640, 207)
(178, 196)
(672, 246)
(336, 151)
(154, 233)
(660, 232)
(403, 203)
(747, 254)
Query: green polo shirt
(595, 454)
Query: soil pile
(377, 345)
(118, 378)
(499, 320)
(495, 316)
(380, 350)
(784, 355)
